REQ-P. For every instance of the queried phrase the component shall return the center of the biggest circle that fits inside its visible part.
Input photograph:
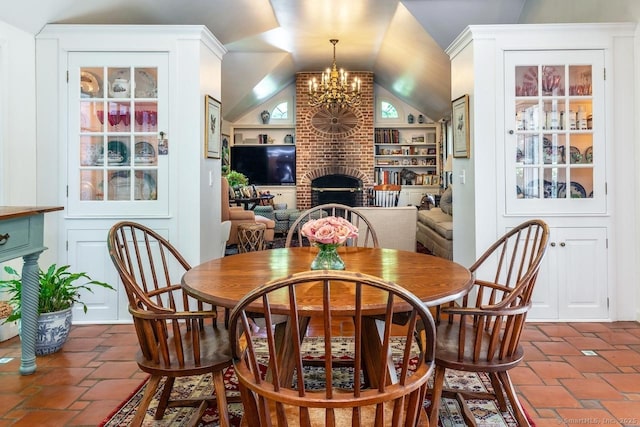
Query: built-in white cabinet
(572, 283)
(124, 108)
(550, 124)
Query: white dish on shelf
(145, 85)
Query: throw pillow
(446, 201)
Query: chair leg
(497, 389)
(513, 398)
(221, 395)
(436, 395)
(163, 403)
(151, 387)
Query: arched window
(281, 111)
(388, 111)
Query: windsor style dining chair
(170, 324)
(282, 394)
(482, 332)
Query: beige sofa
(395, 226)
(435, 227)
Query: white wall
(17, 117)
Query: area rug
(486, 412)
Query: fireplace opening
(337, 188)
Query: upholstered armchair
(238, 215)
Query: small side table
(251, 237)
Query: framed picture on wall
(225, 154)
(212, 123)
(460, 125)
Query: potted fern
(59, 291)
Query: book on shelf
(386, 136)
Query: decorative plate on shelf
(577, 191)
(575, 155)
(89, 85)
(145, 153)
(145, 85)
(588, 155)
(117, 153)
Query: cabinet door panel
(555, 137)
(572, 282)
(582, 279)
(88, 253)
(118, 109)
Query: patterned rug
(486, 412)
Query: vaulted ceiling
(268, 42)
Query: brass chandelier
(334, 89)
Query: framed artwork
(419, 138)
(226, 154)
(212, 123)
(460, 124)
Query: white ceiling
(401, 42)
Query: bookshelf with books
(407, 155)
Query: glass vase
(327, 258)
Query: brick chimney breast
(333, 141)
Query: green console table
(22, 235)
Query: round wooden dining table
(224, 281)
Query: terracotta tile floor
(557, 383)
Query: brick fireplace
(333, 142)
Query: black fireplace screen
(341, 189)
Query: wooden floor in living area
(558, 383)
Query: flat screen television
(265, 164)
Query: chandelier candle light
(327, 234)
(334, 88)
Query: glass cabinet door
(555, 132)
(117, 156)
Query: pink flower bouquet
(329, 230)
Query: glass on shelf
(91, 82)
(527, 80)
(553, 149)
(528, 116)
(527, 183)
(91, 117)
(119, 117)
(553, 114)
(146, 117)
(580, 80)
(583, 111)
(91, 185)
(552, 80)
(146, 82)
(90, 148)
(528, 144)
(119, 82)
(145, 151)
